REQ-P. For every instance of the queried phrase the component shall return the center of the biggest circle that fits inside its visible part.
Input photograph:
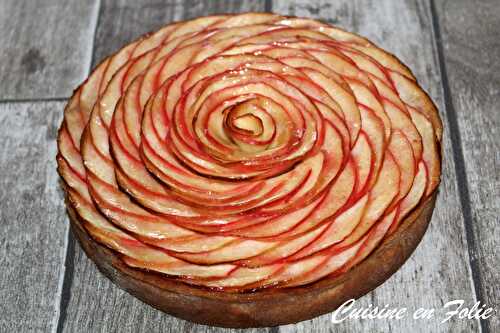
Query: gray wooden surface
(47, 283)
(469, 54)
(42, 42)
(33, 218)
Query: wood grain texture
(33, 219)
(439, 269)
(46, 47)
(470, 32)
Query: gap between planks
(33, 100)
(459, 162)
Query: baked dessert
(249, 170)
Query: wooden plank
(94, 303)
(46, 48)
(33, 218)
(122, 21)
(470, 50)
(439, 269)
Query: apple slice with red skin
(402, 152)
(373, 239)
(343, 66)
(276, 226)
(329, 263)
(401, 121)
(366, 64)
(381, 196)
(243, 278)
(70, 153)
(370, 100)
(389, 61)
(282, 249)
(109, 234)
(337, 230)
(373, 127)
(236, 250)
(335, 199)
(413, 197)
(430, 154)
(363, 158)
(176, 267)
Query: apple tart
(225, 166)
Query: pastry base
(266, 307)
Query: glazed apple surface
(248, 151)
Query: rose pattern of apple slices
(247, 151)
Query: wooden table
(48, 47)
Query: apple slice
(243, 277)
(237, 250)
(413, 197)
(177, 267)
(402, 152)
(337, 230)
(430, 153)
(381, 195)
(283, 248)
(373, 238)
(335, 199)
(311, 268)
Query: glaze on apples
(248, 151)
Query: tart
(249, 170)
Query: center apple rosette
(248, 151)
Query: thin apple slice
(110, 236)
(237, 250)
(195, 243)
(177, 267)
(373, 239)
(73, 123)
(402, 152)
(345, 100)
(363, 158)
(336, 198)
(366, 98)
(293, 270)
(381, 195)
(343, 66)
(246, 19)
(415, 97)
(324, 264)
(337, 230)
(430, 154)
(281, 224)
(413, 197)
(69, 152)
(373, 127)
(243, 277)
(283, 249)
(367, 64)
(401, 121)
(386, 59)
